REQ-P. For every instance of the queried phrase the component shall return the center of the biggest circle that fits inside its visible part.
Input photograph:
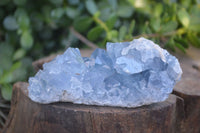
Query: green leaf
(180, 47)
(57, 13)
(19, 2)
(111, 22)
(6, 53)
(104, 11)
(97, 14)
(26, 40)
(125, 11)
(158, 10)
(155, 24)
(113, 35)
(170, 44)
(23, 21)
(185, 3)
(194, 10)
(91, 7)
(169, 26)
(122, 33)
(15, 66)
(131, 27)
(7, 76)
(184, 17)
(26, 62)
(19, 74)
(6, 49)
(113, 4)
(82, 24)
(181, 41)
(138, 3)
(195, 22)
(194, 40)
(12, 39)
(10, 23)
(72, 12)
(19, 54)
(6, 91)
(173, 8)
(24, 71)
(19, 12)
(195, 28)
(94, 33)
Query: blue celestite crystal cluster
(128, 74)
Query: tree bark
(189, 89)
(27, 116)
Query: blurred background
(32, 29)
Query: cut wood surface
(180, 113)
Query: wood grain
(27, 116)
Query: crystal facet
(128, 74)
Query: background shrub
(32, 29)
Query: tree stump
(180, 113)
(189, 90)
(27, 116)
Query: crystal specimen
(128, 74)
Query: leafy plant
(33, 29)
(4, 109)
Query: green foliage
(33, 29)
(184, 17)
(13, 67)
(91, 6)
(94, 33)
(80, 21)
(6, 91)
(26, 40)
(10, 23)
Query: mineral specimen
(128, 74)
